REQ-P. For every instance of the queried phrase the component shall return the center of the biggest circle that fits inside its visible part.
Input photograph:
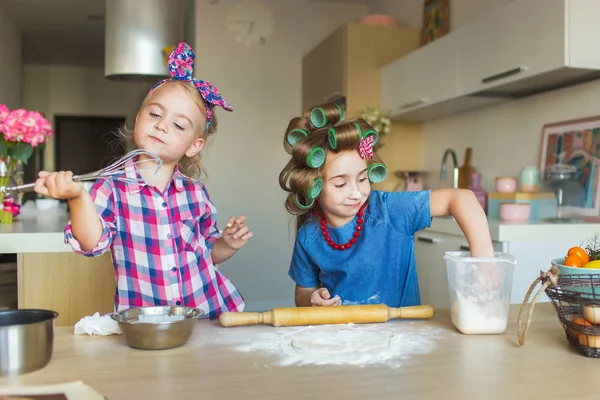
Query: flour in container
(477, 318)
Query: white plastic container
(479, 291)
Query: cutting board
(465, 171)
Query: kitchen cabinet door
(430, 248)
(426, 76)
(522, 38)
(323, 71)
(532, 257)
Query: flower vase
(11, 174)
(480, 193)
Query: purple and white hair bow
(181, 67)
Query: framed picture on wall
(577, 143)
(436, 20)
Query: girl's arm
(235, 236)
(221, 251)
(86, 226)
(469, 215)
(302, 296)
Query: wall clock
(251, 22)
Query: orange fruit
(592, 341)
(581, 321)
(573, 261)
(579, 252)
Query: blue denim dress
(380, 267)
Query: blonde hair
(189, 166)
(308, 140)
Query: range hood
(137, 34)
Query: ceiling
(62, 32)
(68, 32)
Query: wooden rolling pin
(295, 316)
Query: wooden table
(208, 367)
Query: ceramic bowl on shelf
(46, 204)
(506, 184)
(379, 20)
(515, 212)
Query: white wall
(244, 161)
(10, 65)
(410, 12)
(61, 90)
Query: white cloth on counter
(97, 325)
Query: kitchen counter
(50, 274)
(38, 233)
(210, 366)
(510, 231)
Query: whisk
(115, 170)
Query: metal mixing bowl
(157, 335)
(26, 340)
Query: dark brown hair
(308, 140)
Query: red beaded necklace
(347, 245)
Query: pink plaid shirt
(161, 244)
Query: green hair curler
(303, 206)
(358, 129)
(296, 135)
(316, 157)
(318, 117)
(332, 138)
(315, 189)
(377, 172)
(341, 112)
(371, 132)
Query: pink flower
(26, 126)
(4, 111)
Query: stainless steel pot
(26, 340)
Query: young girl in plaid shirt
(162, 234)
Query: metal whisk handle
(28, 187)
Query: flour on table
(349, 344)
(341, 341)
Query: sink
(446, 217)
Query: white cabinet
(425, 76)
(518, 49)
(523, 38)
(430, 248)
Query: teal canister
(529, 180)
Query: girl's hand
(321, 297)
(59, 185)
(236, 234)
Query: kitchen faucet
(455, 169)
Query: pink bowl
(506, 185)
(379, 20)
(515, 212)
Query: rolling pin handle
(414, 312)
(229, 318)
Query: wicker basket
(576, 298)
